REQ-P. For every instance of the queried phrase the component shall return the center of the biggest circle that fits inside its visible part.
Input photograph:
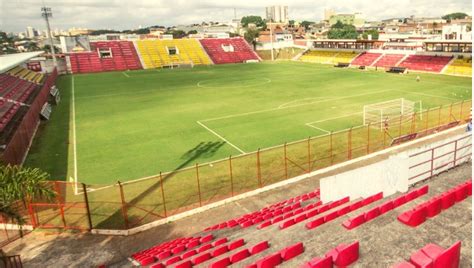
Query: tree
(455, 15)
(346, 31)
(291, 22)
(7, 45)
(374, 33)
(251, 36)
(257, 20)
(19, 184)
(176, 33)
(192, 32)
(306, 24)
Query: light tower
(46, 13)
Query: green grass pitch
(130, 125)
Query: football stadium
(297, 147)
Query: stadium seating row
(7, 111)
(460, 67)
(158, 53)
(434, 256)
(366, 59)
(343, 211)
(434, 206)
(106, 56)
(16, 89)
(26, 74)
(425, 63)
(269, 212)
(389, 60)
(228, 50)
(328, 57)
(279, 257)
(364, 217)
(343, 255)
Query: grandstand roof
(11, 60)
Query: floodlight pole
(271, 40)
(46, 13)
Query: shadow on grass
(202, 150)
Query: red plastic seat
(411, 195)
(270, 261)
(354, 222)
(172, 260)
(313, 224)
(178, 249)
(219, 242)
(219, 251)
(356, 205)
(189, 254)
(344, 255)
(240, 255)
(204, 248)
(147, 261)
(420, 260)
(331, 216)
(442, 258)
(202, 258)
(259, 247)
(312, 213)
(399, 201)
(157, 265)
(292, 251)
(186, 264)
(460, 193)
(287, 223)
(300, 218)
(422, 190)
(386, 207)
(433, 207)
(372, 213)
(163, 255)
(236, 244)
(344, 211)
(221, 263)
(448, 199)
(413, 217)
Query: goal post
(381, 113)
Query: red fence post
(286, 161)
(163, 194)
(259, 173)
(198, 185)
(60, 205)
(86, 200)
(368, 138)
(32, 214)
(124, 206)
(439, 116)
(400, 127)
(330, 147)
(309, 155)
(349, 144)
(427, 119)
(231, 176)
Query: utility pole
(46, 13)
(271, 39)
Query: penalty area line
(220, 137)
(320, 129)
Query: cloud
(16, 15)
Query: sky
(16, 15)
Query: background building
(277, 13)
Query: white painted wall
(392, 175)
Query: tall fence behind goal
(386, 112)
(135, 203)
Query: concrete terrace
(384, 241)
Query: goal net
(381, 113)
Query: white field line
(425, 94)
(265, 81)
(287, 103)
(220, 137)
(320, 129)
(124, 73)
(333, 118)
(292, 106)
(74, 145)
